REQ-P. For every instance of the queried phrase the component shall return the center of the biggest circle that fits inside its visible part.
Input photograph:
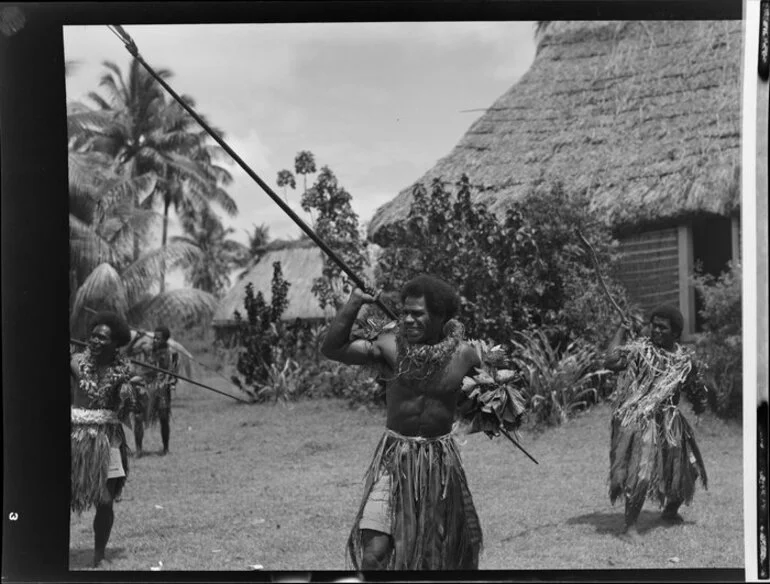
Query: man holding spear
(652, 447)
(104, 394)
(417, 512)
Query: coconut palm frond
(128, 189)
(102, 103)
(82, 120)
(147, 269)
(187, 168)
(139, 219)
(175, 308)
(88, 243)
(87, 172)
(102, 288)
(221, 174)
(221, 197)
(176, 140)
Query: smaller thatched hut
(301, 263)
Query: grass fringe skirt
(158, 401)
(434, 522)
(658, 458)
(90, 462)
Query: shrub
(557, 383)
(261, 334)
(284, 381)
(330, 379)
(521, 272)
(720, 346)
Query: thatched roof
(645, 115)
(301, 263)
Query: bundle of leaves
(720, 346)
(558, 382)
(517, 272)
(491, 399)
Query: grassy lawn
(279, 485)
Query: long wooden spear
(132, 48)
(177, 375)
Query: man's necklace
(421, 362)
(114, 373)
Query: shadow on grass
(82, 558)
(613, 522)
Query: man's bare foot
(98, 559)
(630, 535)
(671, 517)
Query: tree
(304, 164)
(219, 256)
(521, 272)
(145, 133)
(111, 173)
(337, 225)
(286, 179)
(258, 240)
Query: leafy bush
(330, 379)
(522, 272)
(283, 382)
(720, 346)
(557, 382)
(261, 335)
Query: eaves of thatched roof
(301, 263)
(644, 115)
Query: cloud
(377, 102)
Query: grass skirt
(658, 458)
(93, 433)
(158, 404)
(433, 520)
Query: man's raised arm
(337, 344)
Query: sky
(379, 103)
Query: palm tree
(192, 189)
(218, 255)
(258, 240)
(304, 164)
(145, 133)
(108, 227)
(286, 179)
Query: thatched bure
(645, 115)
(300, 265)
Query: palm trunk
(166, 204)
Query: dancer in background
(652, 448)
